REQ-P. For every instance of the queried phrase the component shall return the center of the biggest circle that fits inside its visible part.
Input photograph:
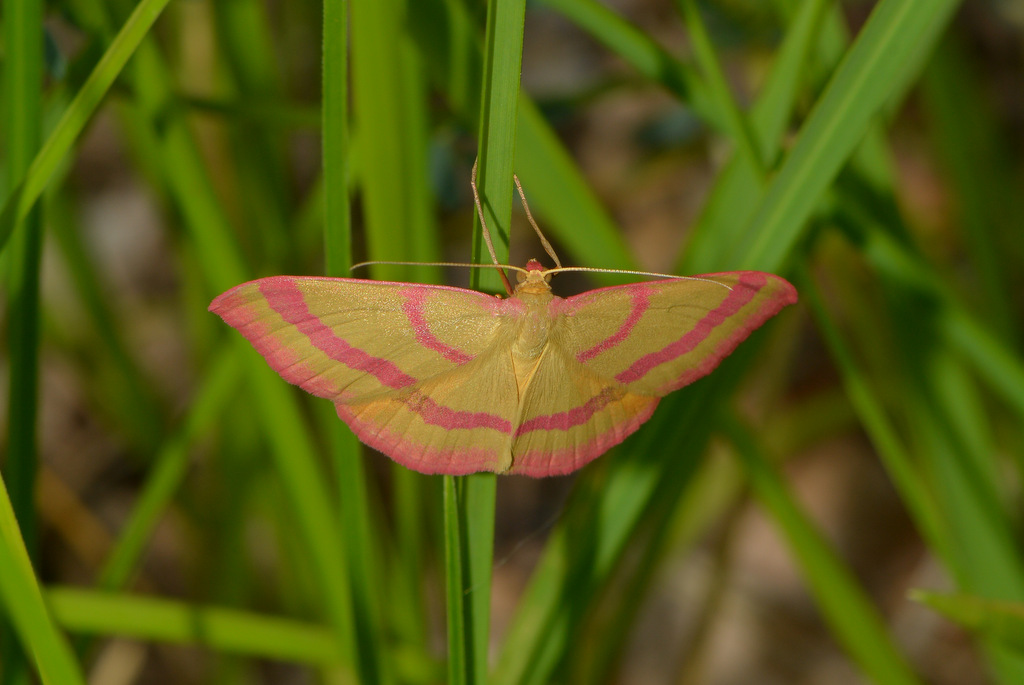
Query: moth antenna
(487, 233)
(599, 270)
(463, 265)
(529, 215)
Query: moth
(455, 381)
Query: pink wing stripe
(565, 420)
(641, 301)
(451, 419)
(422, 458)
(287, 300)
(749, 284)
(413, 308)
(543, 463)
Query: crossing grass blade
(999, 622)
(24, 606)
(883, 58)
(846, 608)
(77, 115)
(727, 210)
(224, 630)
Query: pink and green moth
(454, 381)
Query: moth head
(534, 278)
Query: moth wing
(614, 352)
(415, 370)
(569, 416)
(657, 337)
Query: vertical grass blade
(499, 106)
(22, 82)
(558, 192)
(22, 116)
(979, 172)
(898, 462)
(334, 143)
(459, 641)
(365, 594)
(733, 120)
(390, 118)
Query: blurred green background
(840, 502)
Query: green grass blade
(997, 365)
(1001, 369)
(22, 119)
(499, 101)
(388, 104)
(499, 106)
(876, 66)
(980, 175)
(479, 493)
(936, 395)
(77, 115)
(733, 120)
(996, 621)
(21, 102)
(23, 603)
(728, 209)
(898, 462)
(459, 647)
(223, 630)
(356, 520)
(566, 207)
(844, 605)
(988, 559)
(334, 145)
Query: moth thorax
(533, 336)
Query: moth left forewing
(345, 339)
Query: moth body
(535, 322)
